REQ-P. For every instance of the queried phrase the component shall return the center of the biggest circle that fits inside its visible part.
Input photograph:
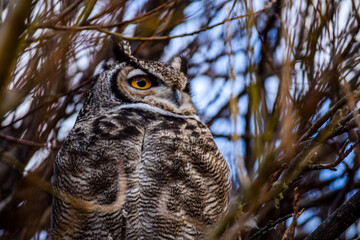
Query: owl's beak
(177, 96)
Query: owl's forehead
(165, 72)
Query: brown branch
(327, 115)
(296, 214)
(54, 99)
(225, 106)
(100, 28)
(331, 166)
(10, 31)
(293, 224)
(344, 127)
(26, 142)
(234, 137)
(137, 19)
(66, 11)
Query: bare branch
(339, 220)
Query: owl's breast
(184, 175)
(151, 175)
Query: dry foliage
(284, 83)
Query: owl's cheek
(163, 103)
(187, 107)
(162, 94)
(158, 96)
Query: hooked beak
(177, 96)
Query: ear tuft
(184, 64)
(176, 63)
(121, 49)
(125, 47)
(180, 63)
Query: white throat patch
(154, 109)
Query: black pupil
(141, 82)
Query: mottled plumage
(138, 164)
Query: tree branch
(339, 221)
(10, 32)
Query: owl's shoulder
(92, 131)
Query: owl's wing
(96, 174)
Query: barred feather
(147, 170)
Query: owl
(138, 163)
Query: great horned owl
(139, 164)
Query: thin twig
(26, 142)
(331, 166)
(269, 226)
(292, 224)
(296, 214)
(100, 28)
(54, 99)
(326, 116)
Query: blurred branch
(136, 19)
(234, 137)
(326, 116)
(225, 106)
(53, 100)
(27, 142)
(102, 29)
(331, 166)
(65, 12)
(10, 31)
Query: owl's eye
(140, 82)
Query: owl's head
(132, 82)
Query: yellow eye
(140, 82)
